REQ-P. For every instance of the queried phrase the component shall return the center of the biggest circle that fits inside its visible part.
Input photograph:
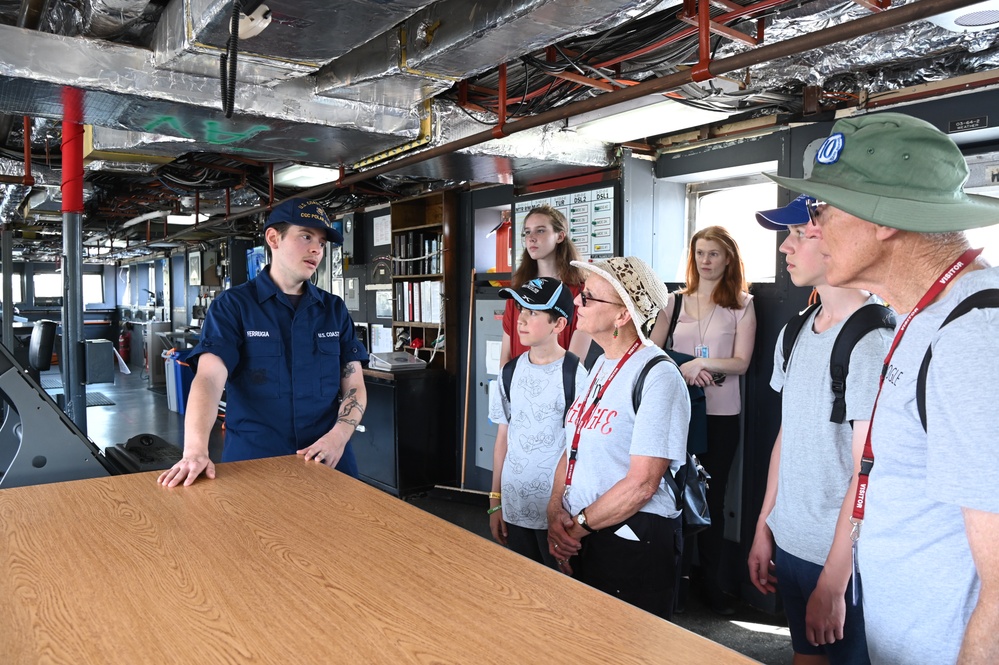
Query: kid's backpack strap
(508, 374)
(866, 319)
(792, 330)
(569, 367)
(988, 298)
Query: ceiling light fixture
(639, 118)
(185, 220)
(301, 175)
(980, 16)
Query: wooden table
(283, 561)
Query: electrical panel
(591, 216)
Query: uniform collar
(266, 288)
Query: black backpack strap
(678, 483)
(989, 298)
(866, 319)
(508, 375)
(676, 486)
(569, 367)
(674, 317)
(792, 330)
(636, 391)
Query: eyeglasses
(583, 298)
(814, 208)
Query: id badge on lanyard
(701, 351)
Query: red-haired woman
(717, 326)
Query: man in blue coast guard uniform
(286, 353)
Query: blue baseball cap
(304, 212)
(793, 214)
(543, 293)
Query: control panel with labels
(589, 214)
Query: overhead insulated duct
(49, 198)
(454, 39)
(530, 154)
(123, 21)
(886, 60)
(11, 196)
(303, 35)
(124, 92)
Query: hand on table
(187, 470)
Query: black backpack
(690, 484)
(569, 366)
(980, 300)
(864, 320)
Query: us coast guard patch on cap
(831, 148)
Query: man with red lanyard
(890, 214)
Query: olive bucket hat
(898, 171)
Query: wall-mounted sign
(968, 124)
(590, 216)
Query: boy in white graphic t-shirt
(531, 434)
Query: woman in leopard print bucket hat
(613, 522)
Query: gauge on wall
(381, 270)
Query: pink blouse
(717, 332)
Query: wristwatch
(581, 521)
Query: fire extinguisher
(125, 344)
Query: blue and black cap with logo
(794, 213)
(304, 212)
(543, 293)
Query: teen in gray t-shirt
(816, 460)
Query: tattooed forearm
(348, 369)
(351, 409)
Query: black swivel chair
(43, 336)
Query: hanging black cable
(227, 62)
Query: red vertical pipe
(700, 72)
(501, 110)
(72, 150)
(28, 179)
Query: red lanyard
(867, 460)
(584, 419)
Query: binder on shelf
(409, 301)
(410, 253)
(435, 302)
(427, 302)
